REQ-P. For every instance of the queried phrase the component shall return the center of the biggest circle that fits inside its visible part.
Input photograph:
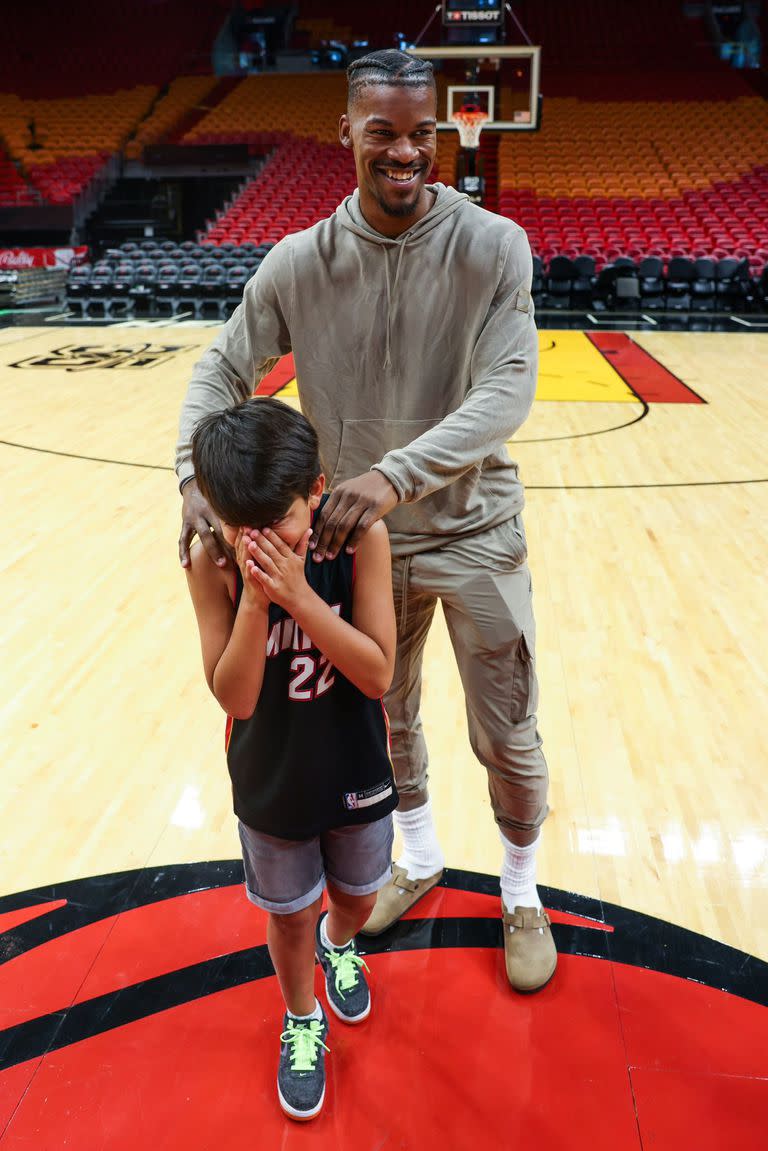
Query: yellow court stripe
(572, 369)
(290, 391)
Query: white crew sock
(325, 938)
(316, 1014)
(518, 874)
(421, 855)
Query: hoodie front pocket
(366, 442)
(447, 511)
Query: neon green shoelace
(304, 1040)
(346, 965)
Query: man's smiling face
(391, 130)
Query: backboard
(505, 79)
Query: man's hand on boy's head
(278, 568)
(350, 510)
(198, 518)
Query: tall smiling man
(410, 318)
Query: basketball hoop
(470, 121)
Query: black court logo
(87, 357)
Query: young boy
(298, 655)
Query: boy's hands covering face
(279, 569)
(252, 589)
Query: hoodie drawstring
(349, 215)
(391, 292)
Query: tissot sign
(468, 13)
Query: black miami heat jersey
(315, 753)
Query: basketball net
(469, 122)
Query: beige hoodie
(415, 355)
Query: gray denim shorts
(287, 875)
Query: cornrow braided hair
(390, 67)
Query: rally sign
(42, 257)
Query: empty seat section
(670, 178)
(14, 190)
(262, 110)
(301, 183)
(61, 144)
(184, 94)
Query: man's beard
(405, 208)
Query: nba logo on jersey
(350, 800)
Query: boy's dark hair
(252, 461)
(391, 67)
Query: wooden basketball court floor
(647, 518)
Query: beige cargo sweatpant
(484, 585)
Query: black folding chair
(561, 274)
(583, 284)
(618, 286)
(733, 285)
(213, 287)
(190, 292)
(537, 283)
(142, 291)
(100, 288)
(679, 289)
(761, 289)
(703, 286)
(237, 278)
(78, 288)
(650, 274)
(166, 289)
(122, 282)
